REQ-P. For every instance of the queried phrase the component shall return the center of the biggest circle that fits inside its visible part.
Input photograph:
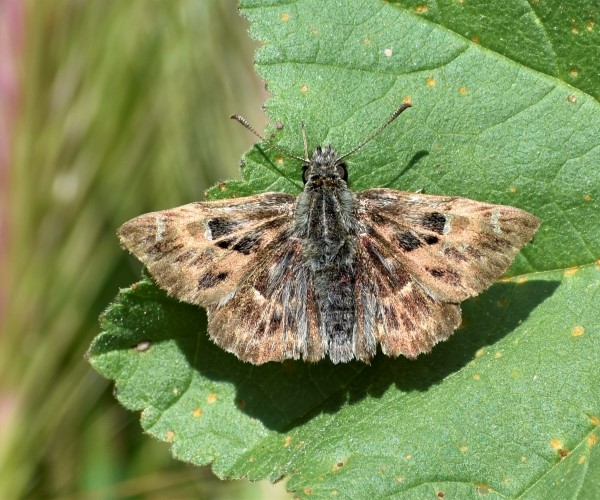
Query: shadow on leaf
(285, 395)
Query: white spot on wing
(160, 227)
(495, 221)
(447, 225)
(227, 298)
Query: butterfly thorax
(326, 225)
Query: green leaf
(509, 405)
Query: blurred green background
(108, 109)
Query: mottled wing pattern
(236, 258)
(419, 256)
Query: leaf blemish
(430, 82)
(338, 465)
(211, 398)
(304, 89)
(577, 331)
(197, 413)
(285, 17)
(387, 52)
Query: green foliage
(509, 405)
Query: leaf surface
(509, 405)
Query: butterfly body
(329, 273)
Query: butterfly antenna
(395, 115)
(246, 124)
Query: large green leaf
(510, 405)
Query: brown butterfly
(329, 272)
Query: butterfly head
(324, 168)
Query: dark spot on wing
(446, 275)
(246, 244)
(225, 244)
(210, 279)
(430, 239)
(408, 241)
(221, 227)
(434, 221)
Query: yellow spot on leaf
(521, 280)
(479, 353)
(571, 271)
(287, 441)
(574, 30)
(574, 73)
(476, 39)
(175, 391)
(463, 90)
(595, 420)
(477, 376)
(197, 412)
(212, 398)
(589, 26)
(559, 447)
(285, 17)
(399, 479)
(592, 440)
(464, 448)
(523, 459)
(506, 480)
(407, 99)
(408, 456)
(388, 52)
(422, 9)
(169, 436)
(307, 491)
(430, 81)
(483, 489)
(279, 160)
(367, 41)
(581, 460)
(304, 89)
(314, 31)
(334, 492)
(572, 99)
(587, 197)
(498, 355)
(337, 466)
(577, 331)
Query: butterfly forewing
(200, 252)
(453, 247)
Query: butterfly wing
(236, 258)
(420, 255)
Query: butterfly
(329, 273)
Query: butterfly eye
(342, 171)
(305, 173)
